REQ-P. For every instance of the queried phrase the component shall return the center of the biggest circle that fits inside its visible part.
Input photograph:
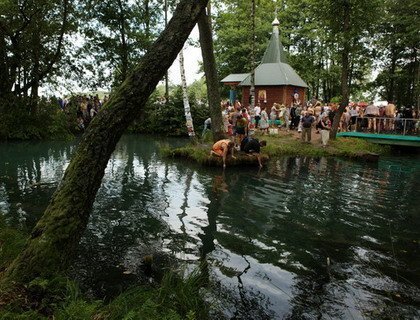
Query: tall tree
(56, 235)
(233, 31)
(116, 34)
(32, 39)
(398, 53)
(210, 70)
(342, 21)
(187, 108)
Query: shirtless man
(221, 148)
(390, 114)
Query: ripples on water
(302, 239)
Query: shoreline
(285, 143)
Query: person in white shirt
(371, 112)
(257, 113)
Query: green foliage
(32, 40)
(169, 119)
(398, 54)
(354, 147)
(183, 294)
(233, 30)
(117, 34)
(175, 298)
(312, 32)
(12, 242)
(18, 122)
(336, 99)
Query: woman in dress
(325, 126)
(263, 124)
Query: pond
(303, 238)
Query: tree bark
(187, 108)
(4, 70)
(124, 46)
(345, 65)
(391, 87)
(55, 237)
(210, 70)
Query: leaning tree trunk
(210, 70)
(55, 237)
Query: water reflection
(304, 238)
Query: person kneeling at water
(221, 148)
(253, 146)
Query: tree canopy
(95, 43)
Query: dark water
(302, 239)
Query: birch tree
(187, 108)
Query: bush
(169, 119)
(45, 121)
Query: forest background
(95, 44)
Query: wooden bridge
(390, 139)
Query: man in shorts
(221, 148)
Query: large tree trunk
(345, 66)
(57, 234)
(212, 80)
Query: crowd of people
(356, 117)
(87, 107)
(310, 116)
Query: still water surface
(303, 238)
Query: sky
(192, 58)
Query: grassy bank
(284, 144)
(60, 298)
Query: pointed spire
(275, 52)
(276, 21)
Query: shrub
(19, 122)
(169, 119)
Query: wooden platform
(391, 139)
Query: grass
(284, 144)
(175, 298)
(12, 242)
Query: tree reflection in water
(262, 237)
(232, 302)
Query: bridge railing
(385, 125)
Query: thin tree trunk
(4, 70)
(36, 45)
(345, 65)
(212, 80)
(56, 235)
(56, 57)
(167, 73)
(391, 88)
(147, 19)
(124, 47)
(187, 108)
